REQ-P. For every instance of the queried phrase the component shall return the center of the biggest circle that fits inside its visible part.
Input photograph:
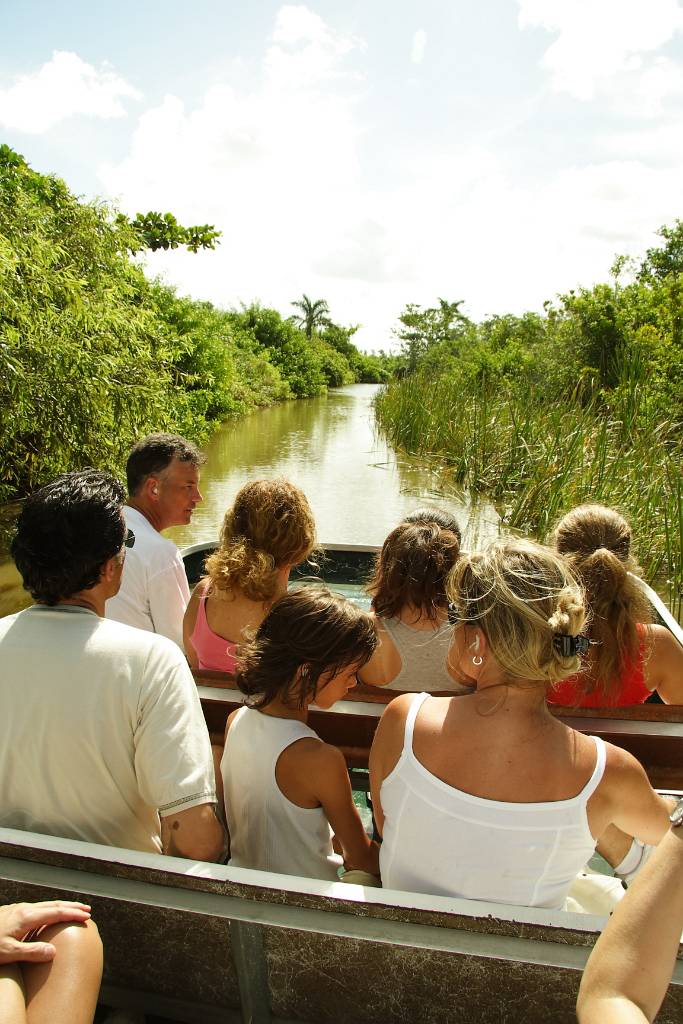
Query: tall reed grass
(536, 457)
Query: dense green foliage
(162, 231)
(92, 354)
(542, 412)
(80, 358)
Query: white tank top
(440, 840)
(267, 831)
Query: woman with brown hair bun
(269, 529)
(409, 602)
(629, 656)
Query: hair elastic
(570, 646)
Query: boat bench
(205, 943)
(653, 733)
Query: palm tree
(314, 314)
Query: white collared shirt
(154, 590)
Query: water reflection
(358, 488)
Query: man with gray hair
(163, 490)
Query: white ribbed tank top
(267, 831)
(440, 840)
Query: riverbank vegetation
(542, 412)
(93, 354)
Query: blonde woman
(269, 529)
(487, 796)
(629, 656)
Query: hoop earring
(477, 660)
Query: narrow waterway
(358, 488)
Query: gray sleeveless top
(423, 658)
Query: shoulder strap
(599, 770)
(417, 702)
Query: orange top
(633, 690)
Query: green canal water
(358, 487)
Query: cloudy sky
(373, 153)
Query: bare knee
(79, 942)
(65, 990)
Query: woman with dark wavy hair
(409, 602)
(629, 655)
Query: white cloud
(662, 80)
(276, 169)
(295, 23)
(64, 87)
(600, 41)
(417, 51)
(304, 50)
(281, 170)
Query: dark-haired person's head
(67, 531)
(412, 569)
(444, 520)
(309, 637)
(162, 473)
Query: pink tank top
(214, 652)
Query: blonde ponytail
(270, 526)
(522, 595)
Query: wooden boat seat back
(333, 564)
(653, 732)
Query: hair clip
(453, 616)
(570, 646)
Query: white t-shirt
(154, 590)
(101, 729)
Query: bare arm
(195, 833)
(314, 774)
(333, 790)
(386, 750)
(385, 663)
(664, 669)
(189, 620)
(629, 970)
(632, 804)
(372, 673)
